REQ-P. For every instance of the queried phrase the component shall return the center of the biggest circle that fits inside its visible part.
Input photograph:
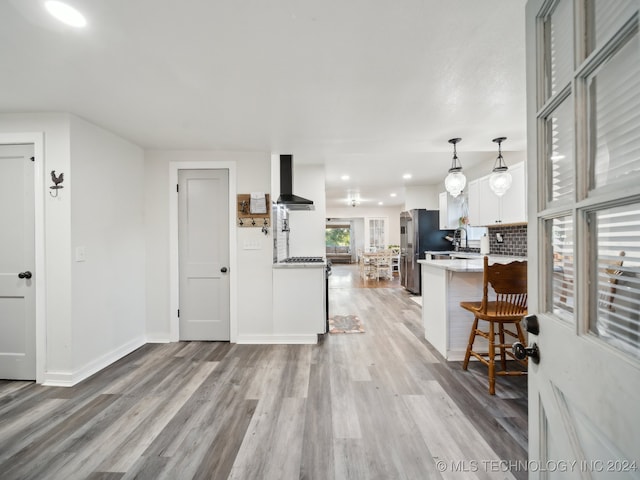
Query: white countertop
(468, 265)
(300, 265)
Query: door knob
(223, 269)
(26, 275)
(521, 352)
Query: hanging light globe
(500, 179)
(500, 182)
(455, 180)
(455, 183)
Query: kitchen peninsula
(446, 283)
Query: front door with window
(583, 82)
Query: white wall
(392, 213)
(254, 306)
(307, 237)
(423, 196)
(107, 221)
(92, 314)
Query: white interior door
(583, 71)
(203, 249)
(17, 264)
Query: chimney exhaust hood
(287, 198)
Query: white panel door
(203, 238)
(583, 95)
(17, 262)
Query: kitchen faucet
(457, 238)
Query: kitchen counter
(446, 283)
(473, 264)
(300, 265)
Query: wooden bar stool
(509, 281)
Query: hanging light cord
(499, 165)
(455, 166)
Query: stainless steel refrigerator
(419, 232)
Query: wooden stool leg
(503, 355)
(492, 359)
(472, 337)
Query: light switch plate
(251, 245)
(80, 254)
(499, 238)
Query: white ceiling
(370, 88)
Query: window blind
(560, 152)
(610, 16)
(617, 277)
(561, 45)
(563, 266)
(615, 116)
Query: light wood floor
(377, 405)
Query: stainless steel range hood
(287, 198)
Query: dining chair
(502, 310)
(384, 265)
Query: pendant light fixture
(500, 179)
(455, 181)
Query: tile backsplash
(514, 240)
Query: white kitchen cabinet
(450, 211)
(487, 209)
(298, 303)
(513, 208)
(474, 205)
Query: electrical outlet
(499, 238)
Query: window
(377, 234)
(589, 113)
(337, 235)
(616, 276)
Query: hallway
(381, 404)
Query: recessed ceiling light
(344, 177)
(393, 194)
(380, 203)
(406, 176)
(66, 13)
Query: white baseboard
(158, 339)
(278, 339)
(69, 379)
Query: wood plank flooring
(377, 405)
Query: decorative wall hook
(57, 180)
(246, 218)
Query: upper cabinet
(450, 211)
(486, 208)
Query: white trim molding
(174, 290)
(278, 339)
(69, 379)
